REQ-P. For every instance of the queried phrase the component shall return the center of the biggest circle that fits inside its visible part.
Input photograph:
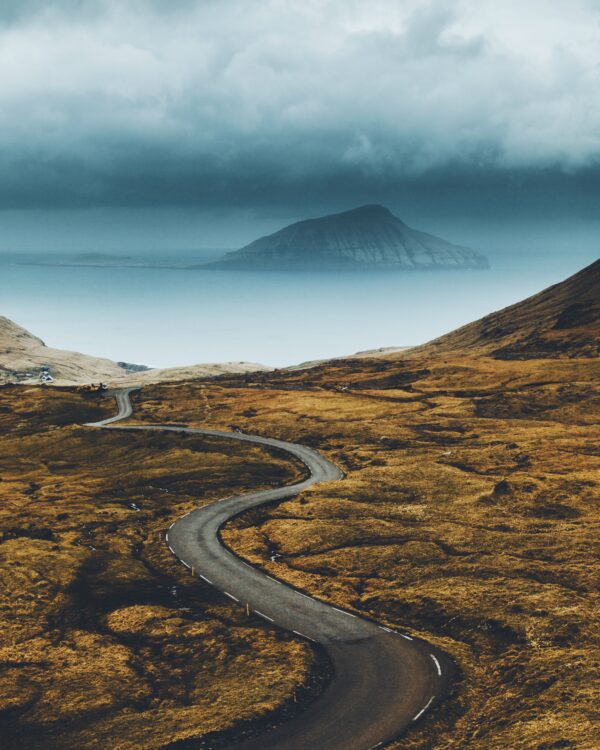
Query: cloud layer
(211, 101)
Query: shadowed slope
(561, 321)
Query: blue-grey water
(169, 317)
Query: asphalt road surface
(383, 681)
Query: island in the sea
(369, 237)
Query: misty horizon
(151, 232)
(169, 317)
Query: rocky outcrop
(370, 237)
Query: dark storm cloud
(231, 102)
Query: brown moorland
(468, 516)
(105, 640)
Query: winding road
(383, 681)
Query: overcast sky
(263, 104)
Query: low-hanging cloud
(113, 101)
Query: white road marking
(422, 711)
(204, 578)
(231, 596)
(171, 548)
(408, 638)
(437, 665)
(374, 747)
(337, 609)
(187, 565)
(261, 614)
(167, 536)
(302, 635)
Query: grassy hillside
(468, 516)
(23, 355)
(561, 321)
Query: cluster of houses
(45, 376)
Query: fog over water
(167, 317)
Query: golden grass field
(105, 640)
(468, 516)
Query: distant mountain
(24, 358)
(370, 237)
(561, 321)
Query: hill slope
(23, 357)
(187, 372)
(368, 237)
(561, 321)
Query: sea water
(164, 317)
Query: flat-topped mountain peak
(370, 210)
